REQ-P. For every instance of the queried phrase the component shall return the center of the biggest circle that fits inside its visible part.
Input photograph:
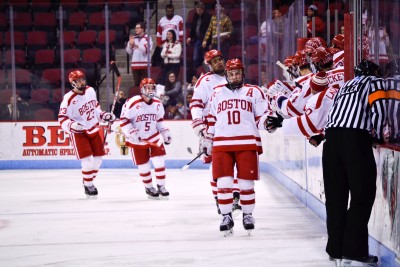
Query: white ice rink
(45, 220)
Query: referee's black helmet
(367, 68)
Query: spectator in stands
(172, 90)
(119, 103)
(171, 53)
(312, 12)
(139, 46)
(169, 22)
(192, 84)
(198, 29)
(182, 108)
(225, 32)
(6, 110)
(172, 111)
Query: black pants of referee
(348, 167)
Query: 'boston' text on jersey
(146, 117)
(235, 104)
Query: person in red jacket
(312, 12)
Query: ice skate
(227, 224)
(90, 191)
(152, 193)
(248, 222)
(368, 261)
(216, 203)
(163, 192)
(236, 208)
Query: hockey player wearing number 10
(142, 123)
(237, 113)
(79, 116)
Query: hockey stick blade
(189, 149)
(190, 162)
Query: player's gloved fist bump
(166, 134)
(206, 144)
(76, 127)
(198, 127)
(134, 135)
(107, 116)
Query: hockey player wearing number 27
(79, 116)
(142, 123)
(237, 112)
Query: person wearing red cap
(312, 123)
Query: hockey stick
(190, 162)
(119, 78)
(284, 68)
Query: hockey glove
(167, 136)
(316, 139)
(107, 117)
(206, 144)
(198, 127)
(134, 135)
(76, 127)
(273, 123)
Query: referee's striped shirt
(360, 104)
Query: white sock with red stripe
(145, 174)
(247, 195)
(159, 169)
(213, 183)
(235, 185)
(225, 198)
(87, 170)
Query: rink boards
(290, 159)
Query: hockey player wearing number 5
(79, 116)
(142, 123)
(237, 112)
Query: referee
(355, 122)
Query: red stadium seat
(86, 39)
(23, 21)
(44, 59)
(96, 21)
(69, 39)
(19, 39)
(40, 96)
(51, 78)
(72, 58)
(92, 55)
(20, 58)
(77, 21)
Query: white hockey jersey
(165, 24)
(314, 119)
(295, 105)
(235, 117)
(146, 118)
(83, 109)
(338, 59)
(139, 52)
(202, 93)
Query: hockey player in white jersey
(293, 106)
(237, 112)
(142, 123)
(312, 123)
(199, 109)
(79, 116)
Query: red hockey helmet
(235, 73)
(338, 41)
(149, 91)
(77, 79)
(289, 61)
(300, 59)
(320, 41)
(322, 56)
(211, 54)
(310, 46)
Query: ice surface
(46, 220)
